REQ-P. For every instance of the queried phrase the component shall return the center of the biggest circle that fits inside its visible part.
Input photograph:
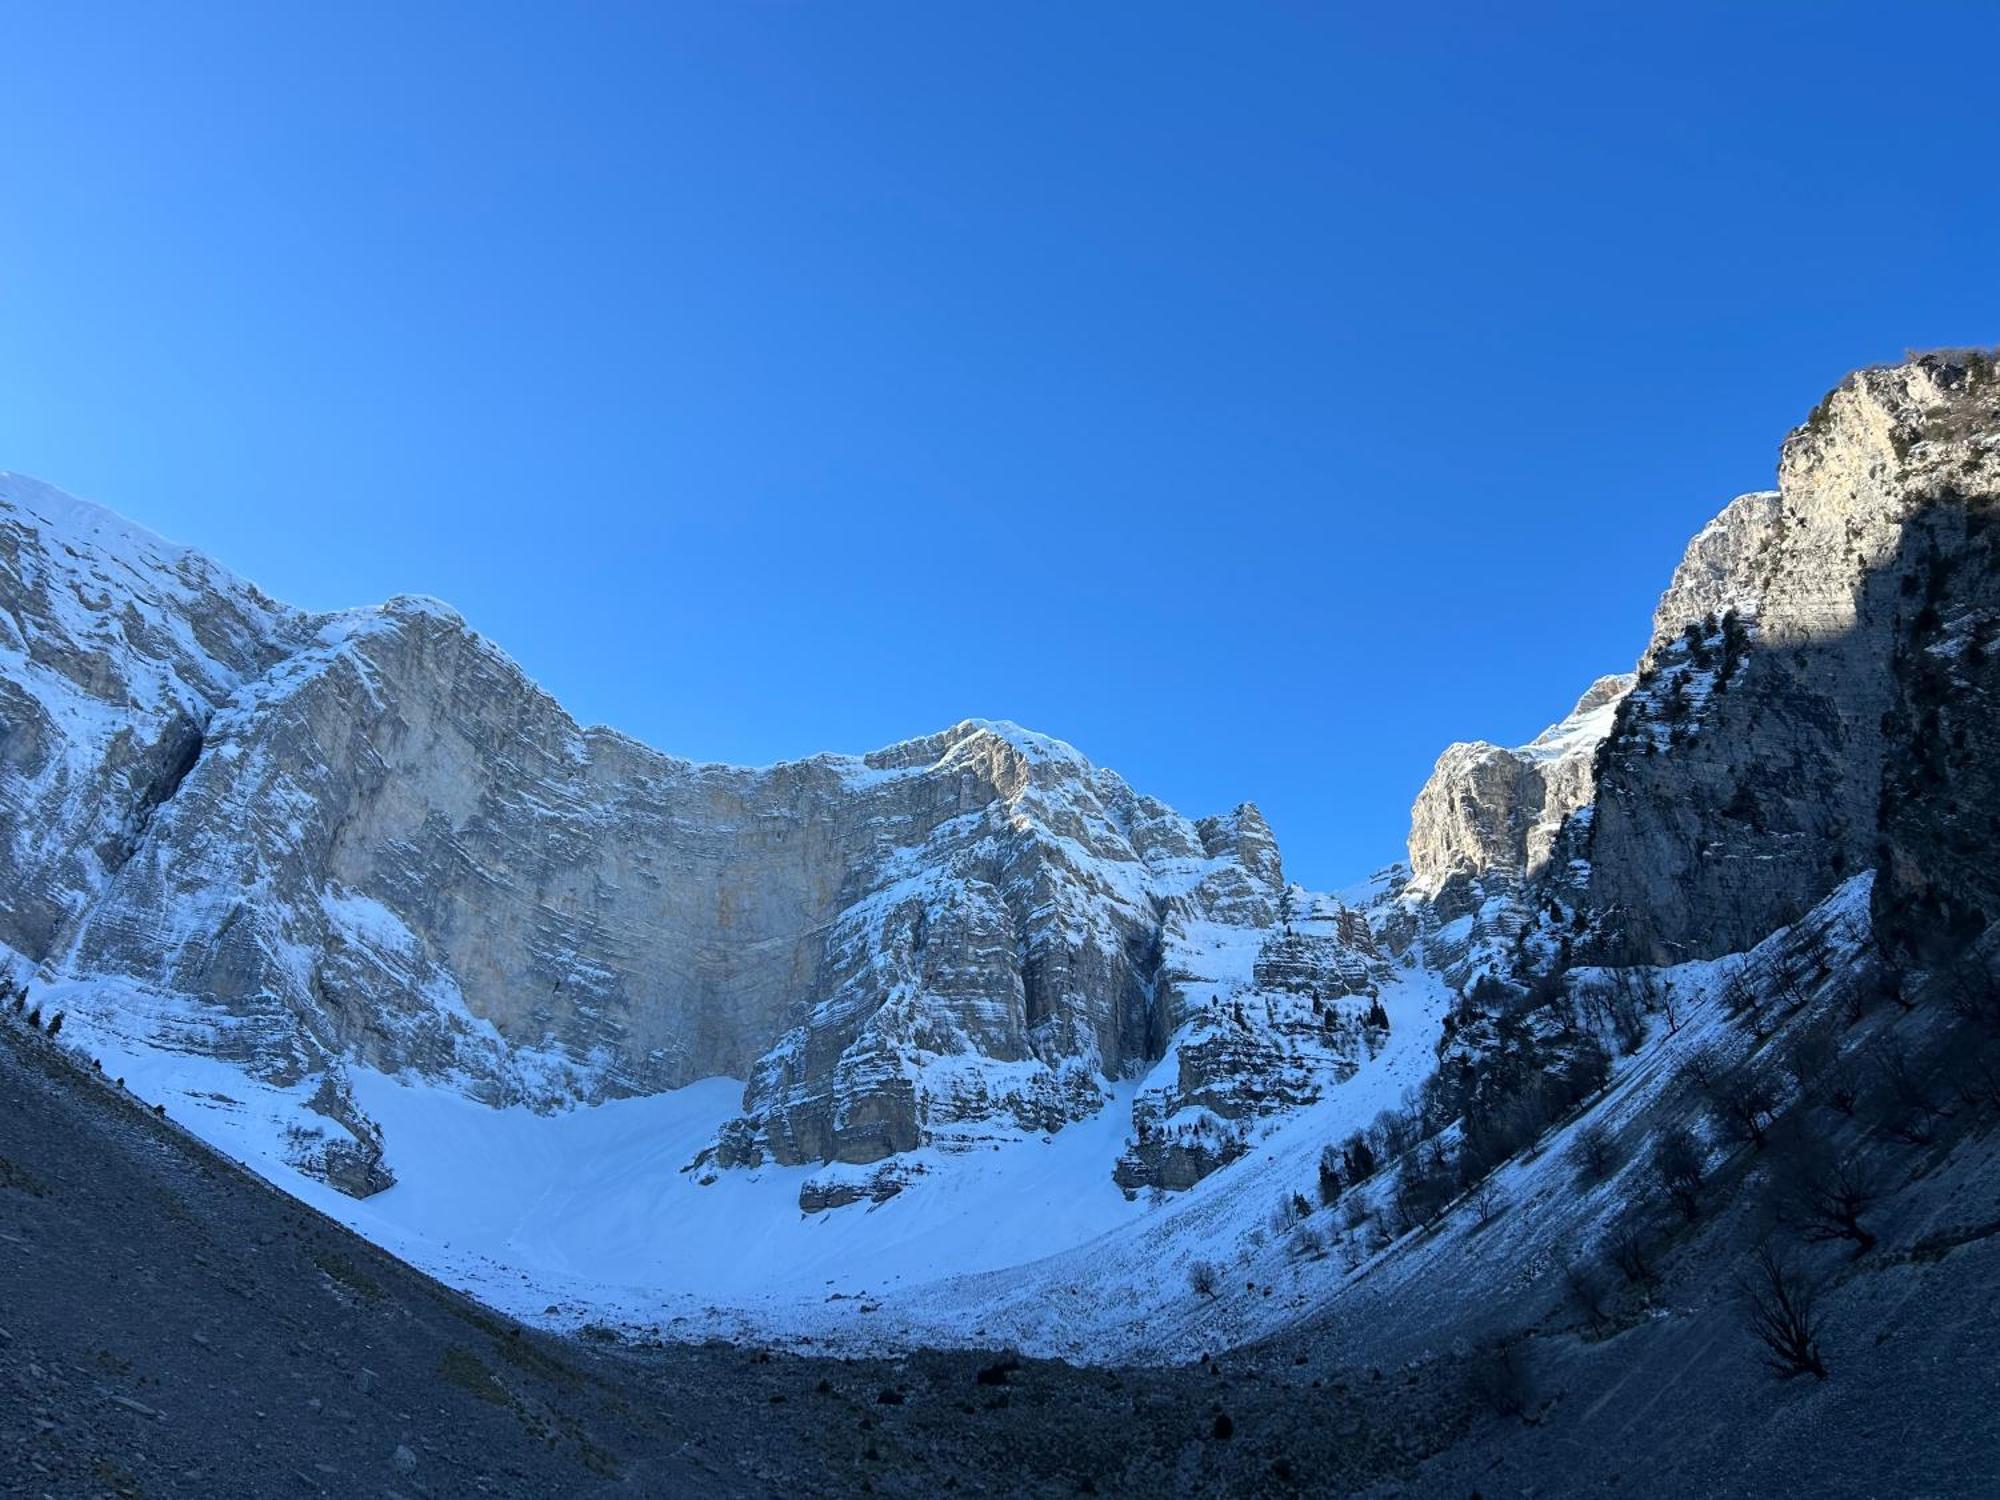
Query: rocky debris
(352, 1162)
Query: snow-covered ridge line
(969, 930)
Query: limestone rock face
(1744, 777)
(115, 652)
(1487, 831)
(1493, 811)
(299, 842)
(1257, 1044)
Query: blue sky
(1257, 397)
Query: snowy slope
(590, 1216)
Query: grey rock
(315, 841)
(1744, 778)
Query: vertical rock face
(1744, 777)
(303, 841)
(115, 651)
(296, 841)
(1493, 811)
(1485, 829)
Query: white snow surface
(587, 1216)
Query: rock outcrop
(1485, 829)
(1487, 810)
(1813, 638)
(1258, 1043)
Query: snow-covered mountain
(304, 844)
(965, 1039)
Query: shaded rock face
(1814, 639)
(292, 840)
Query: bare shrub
(1974, 1075)
(1679, 1168)
(1583, 1286)
(1631, 1255)
(1743, 1103)
(1704, 1065)
(1203, 1277)
(1905, 1097)
(1971, 991)
(1285, 1214)
(1595, 1153)
(1825, 1194)
(1781, 1307)
(1499, 1379)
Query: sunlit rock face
(1256, 1046)
(1485, 829)
(1488, 810)
(1744, 777)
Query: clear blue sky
(1257, 397)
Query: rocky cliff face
(1258, 1043)
(1492, 811)
(299, 841)
(1744, 776)
(1485, 829)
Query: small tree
(1202, 1278)
(1289, 1209)
(1780, 1305)
(1906, 1097)
(1680, 1169)
(55, 1024)
(1595, 1153)
(1359, 1158)
(1704, 1066)
(1826, 1195)
(1630, 1255)
(1329, 1176)
(1486, 1202)
(1744, 1104)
